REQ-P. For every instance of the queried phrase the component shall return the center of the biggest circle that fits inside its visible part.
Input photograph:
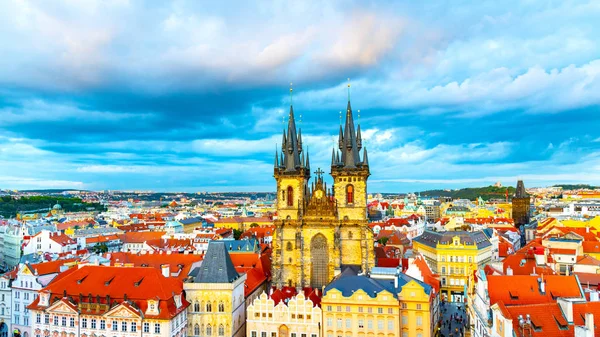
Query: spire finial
(340, 117)
(358, 116)
(348, 89)
(291, 90)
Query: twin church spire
(291, 159)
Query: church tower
(520, 205)
(292, 172)
(319, 231)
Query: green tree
(237, 234)
(254, 224)
(101, 248)
(382, 241)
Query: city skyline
(128, 96)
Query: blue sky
(191, 96)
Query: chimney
(589, 321)
(509, 271)
(594, 296)
(587, 229)
(165, 270)
(567, 308)
(542, 284)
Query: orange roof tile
(525, 289)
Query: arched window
(208, 308)
(221, 330)
(209, 330)
(350, 194)
(196, 330)
(283, 195)
(288, 246)
(196, 306)
(221, 307)
(290, 196)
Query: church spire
(365, 161)
(291, 153)
(276, 157)
(350, 155)
(358, 137)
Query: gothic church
(321, 230)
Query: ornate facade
(319, 230)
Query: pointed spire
(291, 150)
(276, 157)
(341, 138)
(307, 160)
(283, 141)
(299, 140)
(302, 160)
(358, 138)
(333, 161)
(365, 161)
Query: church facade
(321, 230)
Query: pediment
(122, 311)
(62, 307)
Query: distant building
(521, 205)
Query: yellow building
(386, 303)
(216, 295)
(283, 316)
(318, 231)
(242, 223)
(454, 256)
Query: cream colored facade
(216, 309)
(298, 318)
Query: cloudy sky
(192, 96)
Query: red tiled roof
(62, 239)
(287, 293)
(138, 284)
(101, 238)
(525, 289)
(588, 261)
(179, 264)
(591, 246)
(140, 237)
(68, 224)
(563, 251)
(50, 267)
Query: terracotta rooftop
(525, 289)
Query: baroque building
(520, 205)
(320, 230)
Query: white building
(49, 242)
(6, 302)
(123, 301)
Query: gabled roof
(216, 266)
(525, 289)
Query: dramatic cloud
(189, 95)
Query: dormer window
(44, 299)
(152, 307)
(177, 299)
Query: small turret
(365, 161)
(358, 138)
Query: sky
(193, 95)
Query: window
(361, 324)
(404, 333)
(404, 306)
(370, 310)
(370, 324)
(419, 335)
(55, 320)
(470, 259)
(16, 307)
(102, 324)
(133, 327)
(360, 309)
(350, 194)
(115, 326)
(156, 327)
(221, 307)
(290, 196)
(208, 307)
(390, 310)
(380, 324)
(443, 270)
(329, 321)
(419, 321)
(72, 322)
(93, 324)
(418, 306)
(146, 327)
(404, 320)
(253, 334)
(380, 310)
(339, 323)
(347, 308)
(84, 323)
(196, 307)
(222, 331)
(123, 326)
(273, 334)
(209, 330)
(390, 325)
(339, 308)
(38, 318)
(348, 323)
(17, 293)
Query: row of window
(208, 307)
(198, 330)
(404, 334)
(452, 258)
(25, 295)
(361, 325)
(290, 195)
(270, 315)
(62, 321)
(454, 271)
(361, 309)
(274, 334)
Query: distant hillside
(472, 193)
(9, 207)
(568, 187)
